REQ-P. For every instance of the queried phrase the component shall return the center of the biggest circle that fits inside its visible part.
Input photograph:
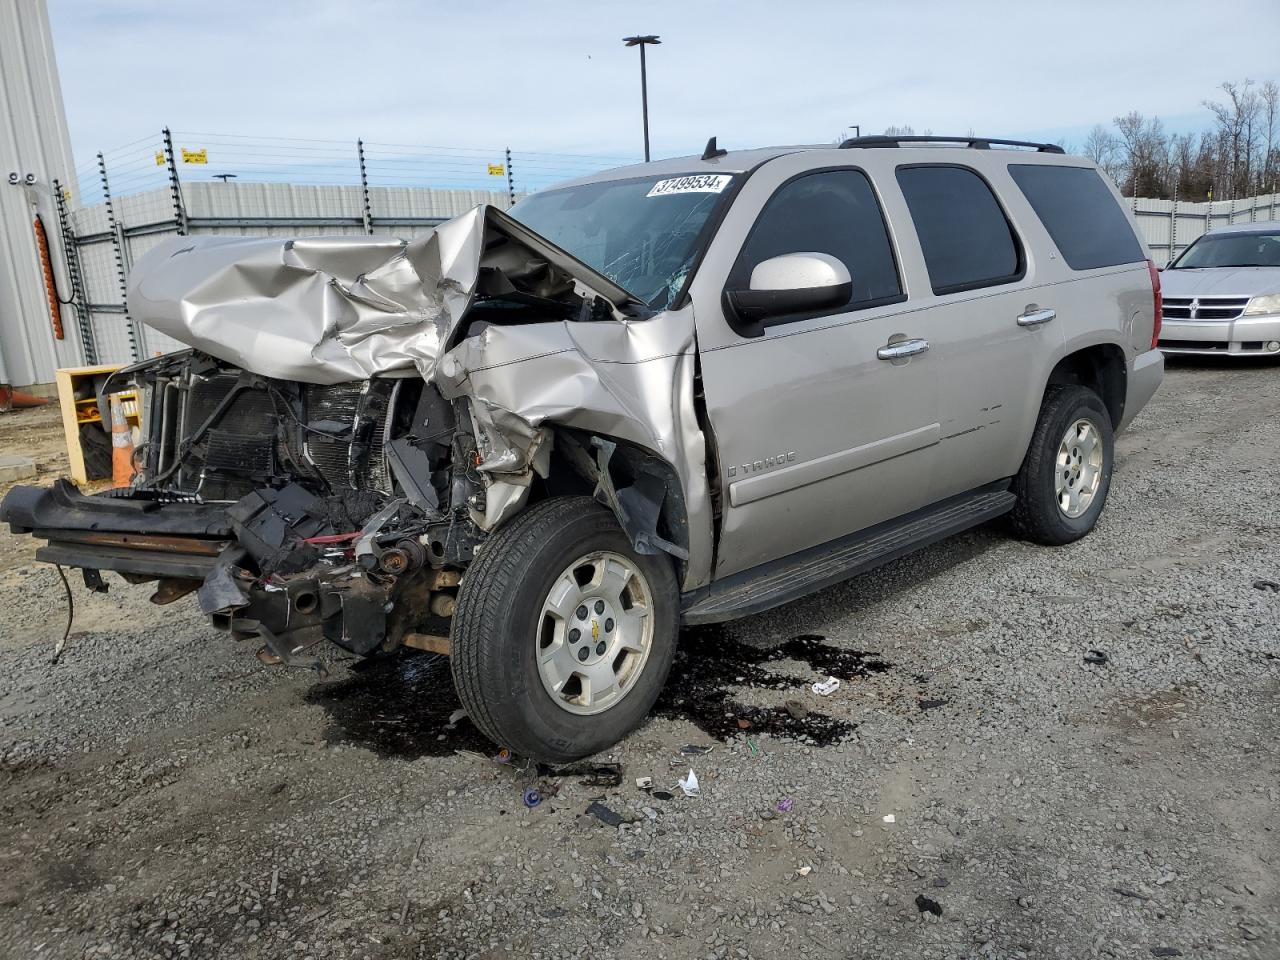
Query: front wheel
(563, 635)
(1062, 486)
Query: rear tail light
(1157, 303)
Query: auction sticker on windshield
(701, 183)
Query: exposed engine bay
(340, 497)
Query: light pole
(644, 83)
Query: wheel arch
(640, 487)
(1100, 367)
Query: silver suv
(675, 393)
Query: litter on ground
(824, 688)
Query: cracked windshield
(642, 234)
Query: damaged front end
(352, 510)
(355, 418)
(296, 512)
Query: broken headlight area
(349, 505)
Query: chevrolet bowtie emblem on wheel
(595, 629)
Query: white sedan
(1222, 295)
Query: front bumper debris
(271, 565)
(150, 536)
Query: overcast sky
(554, 76)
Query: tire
(1040, 515)
(95, 447)
(505, 640)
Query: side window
(966, 240)
(833, 212)
(1080, 213)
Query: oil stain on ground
(710, 665)
(399, 705)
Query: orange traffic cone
(121, 445)
(19, 400)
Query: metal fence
(182, 183)
(105, 240)
(135, 196)
(152, 162)
(1170, 226)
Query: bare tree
(1103, 148)
(1236, 121)
(1145, 149)
(1239, 157)
(1270, 94)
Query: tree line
(1239, 156)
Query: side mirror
(785, 285)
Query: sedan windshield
(642, 234)
(1231, 250)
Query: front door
(817, 435)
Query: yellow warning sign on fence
(497, 170)
(195, 156)
(159, 158)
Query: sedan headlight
(1261, 305)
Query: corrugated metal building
(33, 143)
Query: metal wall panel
(33, 139)
(1170, 226)
(235, 209)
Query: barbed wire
(141, 164)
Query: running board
(790, 578)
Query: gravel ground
(975, 788)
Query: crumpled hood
(331, 309)
(1221, 282)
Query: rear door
(994, 332)
(817, 437)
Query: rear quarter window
(1080, 213)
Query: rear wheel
(1063, 484)
(563, 635)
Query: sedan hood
(335, 309)
(1221, 281)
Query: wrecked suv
(670, 394)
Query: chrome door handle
(1033, 318)
(902, 349)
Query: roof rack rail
(974, 143)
